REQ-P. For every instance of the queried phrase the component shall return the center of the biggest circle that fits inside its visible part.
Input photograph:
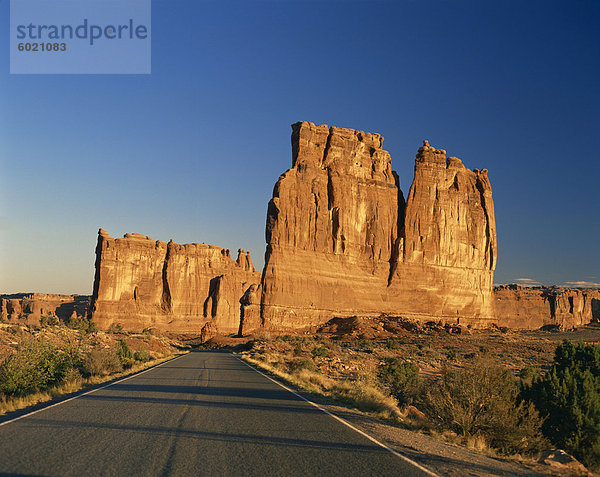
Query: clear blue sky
(192, 151)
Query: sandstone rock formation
(28, 308)
(535, 307)
(250, 318)
(140, 283)
(341, 240)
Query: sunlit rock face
(447, 247)
(141, 283)
(341, 240)
(535, 307)
(31, 308)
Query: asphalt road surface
(204, 413)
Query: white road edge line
(346, 423)
(88, 392)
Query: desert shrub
(568, 396)
(364, 397)
(125, 354)
(451, 354)
(71, 374)
(46, 321)
(484, 400)
(298, 348)
(392, 344)
(35, 367)
(142, 355)
(319, 351)
(285, 338)
(81, 323)
(115, 328)
(483, 349)
(101, 362)
(528, 374)
(359, 345)
(401, 378)
(297, 364)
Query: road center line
(346, 423)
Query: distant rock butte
(342, 241)
(140, 283)
(536, 307)
(28, 308)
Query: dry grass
(360, 393)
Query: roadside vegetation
(510, 400)
(568, 396)
(39, 363)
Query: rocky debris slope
(141, 283)
(536, 307)
(342, 241)
(29, 308)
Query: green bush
(483, 400)
(35, 367)
(297, 364)
(319, 351)
(298, 348)
(402, 379)
(101, 362)
(568, 396)
(528, 374)
(142, 355)
(115, 328)
(46, 321)
(125, 354)
(392, 344)
(81, 323)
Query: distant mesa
(29, 308)
(536, 307)
(141, 283)
(342, 240)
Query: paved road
(205, 413)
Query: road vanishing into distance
(204, 413)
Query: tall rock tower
(341, 240)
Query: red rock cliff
(29, 308)
(341, 240)
(532, 308)
(141, 283)
(447, 247)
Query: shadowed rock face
(532, 308)
(342, 241)
(141, 283)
